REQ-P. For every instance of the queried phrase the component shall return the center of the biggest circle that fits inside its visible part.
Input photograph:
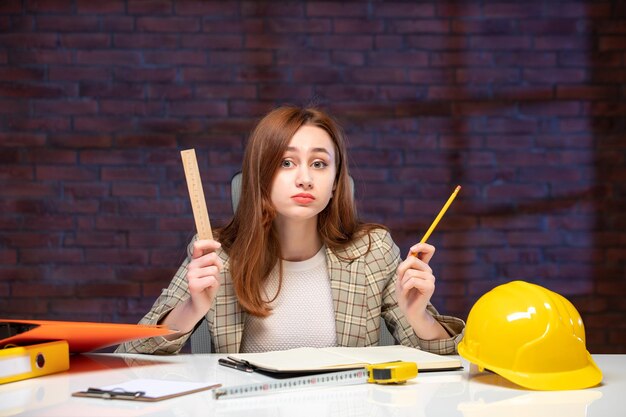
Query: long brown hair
(250, 238)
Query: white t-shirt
(302, 314)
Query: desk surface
(464, 393)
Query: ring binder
(23, 362)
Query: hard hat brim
(582, 378)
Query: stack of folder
(32, 348)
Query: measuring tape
(356, 376)
(196, 194)
(385, 373)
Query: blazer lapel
(348, 286)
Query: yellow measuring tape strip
(196, 194)
(384, 373)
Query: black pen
(231, 364)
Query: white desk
(458, 393)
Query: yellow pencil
(440, 215)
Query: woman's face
(304, 183)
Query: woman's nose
(304, 180)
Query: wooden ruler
(196, 194)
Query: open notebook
(317, 360)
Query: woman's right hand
(203, 274)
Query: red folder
(80, 336)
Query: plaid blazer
(362, 280)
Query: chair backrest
(201, 338)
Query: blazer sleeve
(397, 323)
(175, 293)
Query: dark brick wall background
(522, 103)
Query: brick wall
(521, 104)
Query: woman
(295, 267)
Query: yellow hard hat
(531, 336)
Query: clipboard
(147, 390)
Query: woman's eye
(319, 164)
(286, 164)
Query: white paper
(16, 365)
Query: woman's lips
(303, 198)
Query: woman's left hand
(415, 282)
